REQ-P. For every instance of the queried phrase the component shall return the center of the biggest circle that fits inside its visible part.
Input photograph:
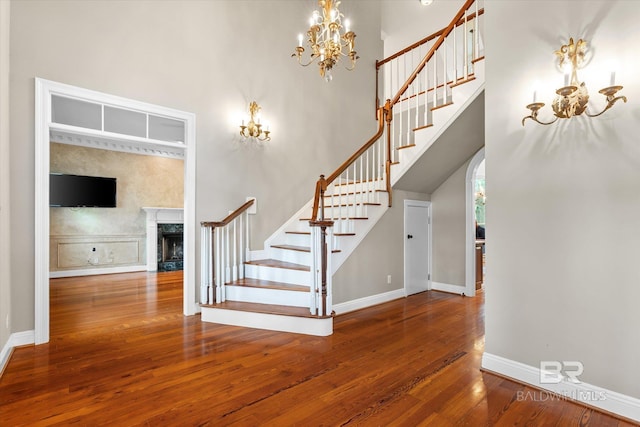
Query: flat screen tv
(81, 191)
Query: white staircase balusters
(224, 249)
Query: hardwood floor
(121, 353)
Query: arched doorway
(470, 244)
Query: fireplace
(174, 219)
(170, 247)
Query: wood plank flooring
(122, 354)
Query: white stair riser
(271, 322)
(283, 275)
(297, 239)
(305, 240)
(296, 257)
(268, 296)
(359, 211)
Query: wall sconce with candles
(253, 129)
(326, 40)
(571, 99)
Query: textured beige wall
(448, 228)
(208, 57)
(564, 215)
(381, 253)
(141, 181)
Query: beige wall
(448, 228)
(210, 58)
(5, 161)
(564, 214)
(381, 253)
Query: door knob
(409, 236)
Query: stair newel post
(211, 261)
(219, 270)
(234, 268)
(322, 275)
(205, 283)
(388, 116)
(241, 259)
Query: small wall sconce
(571, 100)
(253, 129)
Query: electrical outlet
(389, 279)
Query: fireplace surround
(170, 223)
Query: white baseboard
(15, 340)
(369, 301)
(446, 287)
(588, 394)
(94, 271)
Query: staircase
(289, 288)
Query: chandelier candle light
(572, 99)
(326, 39)
(253, 129)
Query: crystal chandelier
(327, 38)
(571, 99)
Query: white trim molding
(588, 394)
(470, 233)
(95, 271)
(369, 301)
(44, 90)
(16, 339)
(447, 287)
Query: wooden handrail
(434, 48)
(401, 52)
(323, 182)
(427, 39)
(233, 215)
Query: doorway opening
(470, 220)
(125, 131)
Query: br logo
(553, 371)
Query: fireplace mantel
(155, 216)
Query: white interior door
(417, 246)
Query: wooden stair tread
(282, 310)
(402, 147)
(462, 81)
(350, 193)
(344, 205)
(333, 219)
(308, 233)
(279, 264)
(442, 106)
(298, 248)
(268, 284)
(423, 127)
